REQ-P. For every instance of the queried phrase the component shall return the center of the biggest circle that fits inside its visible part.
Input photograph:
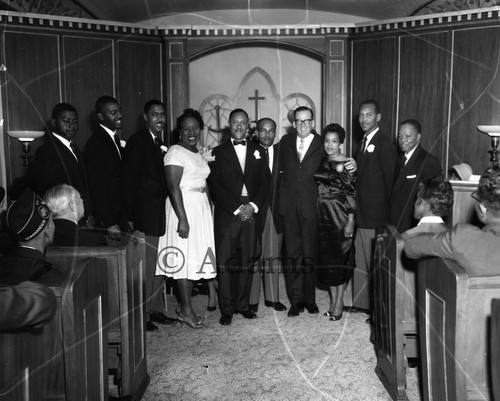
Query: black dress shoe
(159, 317)
(225, 320)
(312, 308)
(295, 310)
(253, 307)
(248, 314)
(120, 398)
(150, 326)
(277, 306)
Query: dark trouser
(362, 274)
(301, 240)
(154, 284)
(235, 258)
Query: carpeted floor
(270, 358)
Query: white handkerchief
(409, 177)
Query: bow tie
(242, 142)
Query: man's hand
(114, 233)
(351, 165)
(246, 212)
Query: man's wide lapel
(232, 157)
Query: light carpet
(273, 357)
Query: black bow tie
(242, 142)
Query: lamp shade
(491, 130)
(26, 136)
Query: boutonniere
(339, 168)
(207, 154)
(370, 148)
(256, 154)
(163, 148)
(122, 143)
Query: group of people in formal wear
(240, 214)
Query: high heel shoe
(328, 314)
(334, 318)
(183, 320)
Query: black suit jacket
(374, 182)
(421, 166)
(55, 164)
(67, 233)
(272, 201)
(226, 181)
(105, 174)
(296, 178)
(145, 186)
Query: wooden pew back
(126, 286)
(66, 358)
(495, 348)
(454, 333)
(395, 318)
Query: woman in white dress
(186, 252)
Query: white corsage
(339, 168)
(370, 148)
(163, 148)
(256, 154)
(122, 143)
(207, 154)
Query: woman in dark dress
(336, 207)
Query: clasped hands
(246, 212)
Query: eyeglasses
(306, 122)
(474, 195)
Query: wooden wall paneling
(31, 87)
(177, 79)
(140, 79)
(373, 76)
(88, 72)
(335, 82)
(424, 74)
(475, 97)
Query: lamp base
(26, 159)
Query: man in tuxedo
(413, 166)
(300, 157)
(103, 158)
(58, 160)
(269, 226)
(474, 249)
(239, 181)
(376, 161)
(145, 193)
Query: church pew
(126, 284)
(454, 317)
(65, 359)
(394, 311)
(495, 348)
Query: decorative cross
(256, 98)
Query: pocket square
(409, 177)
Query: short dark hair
(265, 119)
(373, 102)
(335, 128)
(438, 193)
(189, 113)
(303, 108)
(61, 108)
(151, 103)
(102, 101)
(414, 123)
(238, 111)
(488, 189)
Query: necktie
(74, 150)
(117, 141)
(363, 145)
(236, 142)
(266, 155)
(301, 150)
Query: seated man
(434, 201)
(67, 207)
(476, 250)
(30, 222)
(27, 304)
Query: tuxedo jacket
(421, 166)
(297, 178)
(374, 182)
(55, 164)
(272, 200)
(226, 181)
(145, 186)
(105, 175)
(67, 233)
